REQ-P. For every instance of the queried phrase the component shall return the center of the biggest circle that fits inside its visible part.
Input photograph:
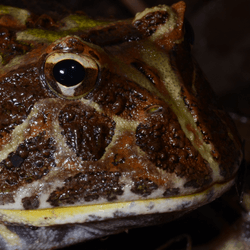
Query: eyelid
(85, 60)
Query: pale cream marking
(13, 64)
(10, 237)
(80, 214)
(20, 15)
(24, 130)
(92, 104)
(158, 60)
(64, 155)
(128, 195)
(162, 29)
(17, 135)
(174, 181)
(27, 35)
(42, 188)
(161, 62)
(122, 125)
(81, 22)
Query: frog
(105, 126)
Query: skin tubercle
(101, 121)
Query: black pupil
(69, 72)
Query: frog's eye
(70, 75)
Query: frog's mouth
(114, 210)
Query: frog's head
(110, 114)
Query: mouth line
(100, 212)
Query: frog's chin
(172, 207)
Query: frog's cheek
(162, 24)
(70, 75)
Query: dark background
(222, 48)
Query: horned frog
(101, 122)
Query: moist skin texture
(148, 123)
(143, 129)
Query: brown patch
(170, 192)
(87, 132)
(44, 21)
(9, 46)
(160, 136)
(93, 54)
(88, 186)
(39, 124)
(127, 159)
(4, 139)
(215, 125)
(167, 41)
(9, 21)
(31, 202)
(148, 24)
(119, 96)
(112, 35)
(32, 160)
(19, 92)
(143, 187)
(6, 198)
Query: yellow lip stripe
(86, 213)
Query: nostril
(154, 109)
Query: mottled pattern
(150, 22)
(127, 101)
(31, 202)
(143, 187)
(88, 186)
(113, 34)
(166, 145)
(87, 132)
(19, 92)
(146, 135)
(142, 124)
(32, 160)
(214, 123)
(9, 47)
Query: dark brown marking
(170, 192)
(88, 186)
(143, 187)
(18, 94)
(166, 145)
(148, 24)
(32, 160)
(9, 46)
(31, 202)
(212, 121)
(87, 132)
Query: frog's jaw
(86, 213)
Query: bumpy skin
(143, 124)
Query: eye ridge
(69, 72)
